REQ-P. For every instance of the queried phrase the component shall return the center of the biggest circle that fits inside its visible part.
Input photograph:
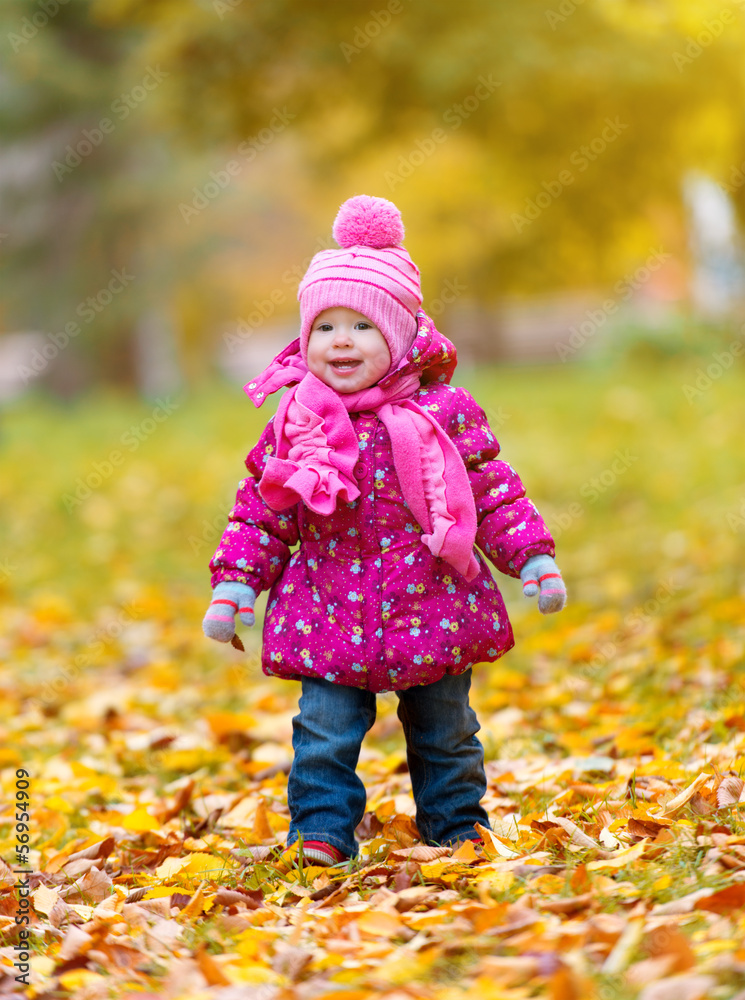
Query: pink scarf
(317, 447)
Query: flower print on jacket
(363, 602)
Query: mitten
(541, 572)
(227, 598)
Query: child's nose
(342, 336)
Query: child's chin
(353, 383)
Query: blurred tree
(66, 231)
(531, 147)
(574, 121)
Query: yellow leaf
(246, 972)
(444, 870)
(253, 944)
(158, 891)
(346, 994)
(401, 970)
(9, 758)
(189, 761)
(242, 814)
(57, 804)
(140, 821)
(170, 867)
(495, 881)
(56, 835)
(202, 863)
(548, 884)
(644, 812)
(79, 980)
(621, 859)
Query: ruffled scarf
(317, 448)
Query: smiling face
(346, 350)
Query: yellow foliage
(140, 820)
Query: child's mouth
(345, 365)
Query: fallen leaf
(380, 924)
(624, 947)
(261, 829)
(729, 791)
(493, 846)
(571, 904)
(180, 803)
(44, 899)
(96, 852)
(94, 887)
(679, 988)
(198, 904)
(210, 969)
(7, 877)
(140, 821)
(576, 836)
(466, 853)
(644, 827)
(74, 943)
(420, 853)
(619, 860)
(667, 940)
(686, 795)
(724, 901)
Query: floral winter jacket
(362, 601)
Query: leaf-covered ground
(157, 761)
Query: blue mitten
(542, 573)
(227, 598)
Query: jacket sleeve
(256, 543)
(510, 528)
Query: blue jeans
(446, 761)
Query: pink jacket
(362, 601)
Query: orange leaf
(643, 827)
(222, 723)
(668, 940)
(378, 923)
(466, 852)
(197, 904)
(724, 901)
(261, 829)
(563, 986)
(402, 829)
(493, 846)
(484, 918)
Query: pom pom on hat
(372, 274)
(368, 222)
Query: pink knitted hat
(372, 274)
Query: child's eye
(324, 326)
(364, 326)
